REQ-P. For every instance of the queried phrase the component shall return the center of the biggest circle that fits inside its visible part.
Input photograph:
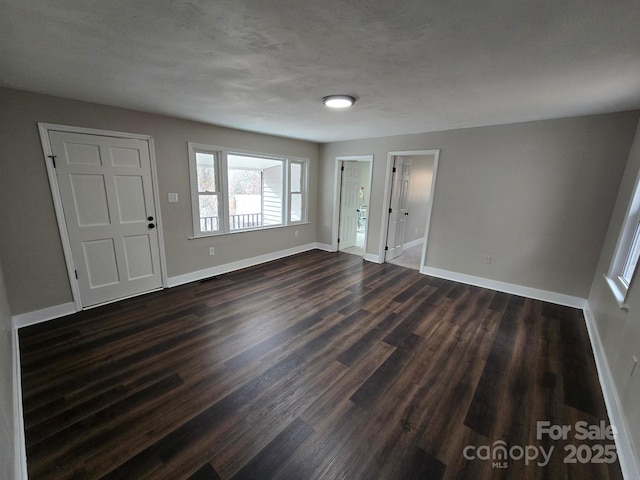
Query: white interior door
(106, 190)
(349, 204)
(398, 207)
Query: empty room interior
(319, 240)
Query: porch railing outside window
(237, 222)
(245, 220)
(209, 224)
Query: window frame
(304, 184)
(222, 186)
(619, 278)
(195, 148)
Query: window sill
(618, 293)
(271, 227)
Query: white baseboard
(20, 454)
(536, 294)
(31, 318)
(629, 463)
(413, 243)
(325, 247)
(230, 267)
(370, 257)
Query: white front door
(107, 196)
(398, 207)
(349, 204)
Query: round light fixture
(338, 101)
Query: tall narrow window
(625, 259)
(207, 191)
(235, 191)
(296, 177)
(631, 261)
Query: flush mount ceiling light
(338, 101)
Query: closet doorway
(353, 186)
(408, 200)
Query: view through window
(255, 191)
(235, 191)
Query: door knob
(150, 218)
(151, 225)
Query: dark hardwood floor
(317, 366)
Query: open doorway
(409, 193)
(353, 186)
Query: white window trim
(195, 194)
(304, 187)
(614, 277)
(220, 154)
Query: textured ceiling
(264, 66)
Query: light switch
(173, 197)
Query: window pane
(206, 172)
(296, 177)
(632, 258)
(245, 199)
(255, 191)
(296, 207)
(209, 214)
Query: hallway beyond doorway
(410, 258)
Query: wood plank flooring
(316, 366)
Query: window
(625, 259)
(237, 191)
(297, 187)
(207, 191)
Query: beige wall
(418, 202)
(7, 446)
(536, 196)
(30, 248)
(620, 330)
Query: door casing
(387, 199)
(349, 206)
(336, 199)
(44, 129)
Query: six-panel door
(107, 196)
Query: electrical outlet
(173, 197)
(635, 364)
(296, 233)
(212, 250)
(487, 259)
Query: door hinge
(386, 247)
(390, 210)
(342, 168)
(394, 169)
(53, 159)
(338, 240)
(76, 272)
